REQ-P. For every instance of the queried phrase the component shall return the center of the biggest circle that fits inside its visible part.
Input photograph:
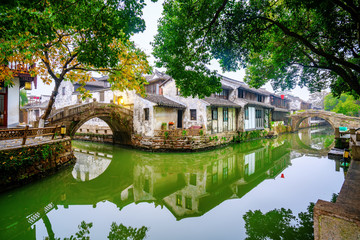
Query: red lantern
(282, 97)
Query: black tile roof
(163, 101)
(220, 102)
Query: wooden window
(188, 203)
(240, 93)
(147, 186)
(146, 113)
(223, 94)
(215, 178)
(102, 96)
(246, 113)
(179, 200)
(214, 113)
(259, 98)
(225, 114)
(193, 179)
(192, 114)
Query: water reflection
(188, 185)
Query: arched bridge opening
(119, 119)
(301, 122)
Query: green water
(174, 195)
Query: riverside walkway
(341, 220)
(15, 143)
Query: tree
(70, 39)
(279, 224)
(317, 99)
(346, 105)
(291, 42)
(23, 97)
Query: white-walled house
(10, 96)
(237, 108)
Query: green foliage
(121, 232)
(23, 97)
(345, 104)
(15, 161)
(96, 38)
(117, 232)
(285, 42)
(201, 132)
(281, 224)
(166, 134)
(82, 234)
(163, 126)
(249, 135)
(278, 224)
(184, 132)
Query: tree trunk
(50, 105)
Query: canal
(118, 192)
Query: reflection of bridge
(335, 119)
(119, 119)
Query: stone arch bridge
(119, 119)
(334, 119)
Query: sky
(151, 14)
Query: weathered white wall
(13, 103)
(164, 115)
(141, 126)
(67, 99)
(169, 90)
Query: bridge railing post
(337, 133)
(352, 131)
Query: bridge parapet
(335, 119)
(119, 119)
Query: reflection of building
(189, 188)
(89, 165)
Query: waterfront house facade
(236, 108)
(10, 96)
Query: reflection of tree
(117, 232)
(279, 224)
(120, 232)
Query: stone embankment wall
(94, 133)
(194, 143)
(93, 137)
(22, 164)
(183, 143)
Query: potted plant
(163, 126)
(171, 125)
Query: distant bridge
(119, 119)
(334, 119)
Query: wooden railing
(178, 132)
(24, 133)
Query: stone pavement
(15, 143)
(340, 220)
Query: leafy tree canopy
(346, 105)
(291, 42)
(70, 39)
(279, 224)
